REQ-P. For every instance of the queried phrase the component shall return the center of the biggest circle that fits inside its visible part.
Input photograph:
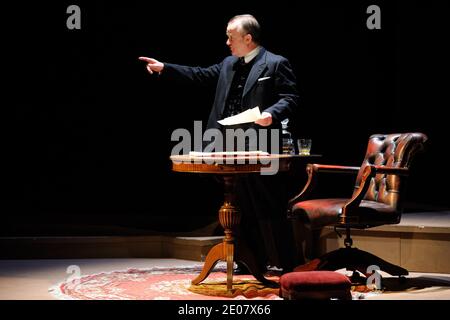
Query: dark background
(88, 140)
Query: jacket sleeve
(196, 74)
(286, 91)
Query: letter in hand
(265, 119)
(153, 65)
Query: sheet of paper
(250, 115)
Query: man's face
(238, 43)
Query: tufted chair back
(389, 150)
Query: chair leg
(351, 259)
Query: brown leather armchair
(376, 200)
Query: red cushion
(315, 285)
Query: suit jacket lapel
(255, 72)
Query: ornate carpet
(161, 283)
(170, 283)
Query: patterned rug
(161, 283)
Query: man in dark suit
(251, 77)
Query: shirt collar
(252, 54)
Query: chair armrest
(369, 172)
(334, 168)
(390, 170)
(311, 170)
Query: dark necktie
(239, 63)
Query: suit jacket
(271, 85)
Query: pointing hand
(153, 65)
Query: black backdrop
(88, 139)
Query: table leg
(229, 250)
(214, 255)
(229, 217)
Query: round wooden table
(228, 168)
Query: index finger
(145, 59)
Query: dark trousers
(262, 201)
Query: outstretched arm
(197, 74)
